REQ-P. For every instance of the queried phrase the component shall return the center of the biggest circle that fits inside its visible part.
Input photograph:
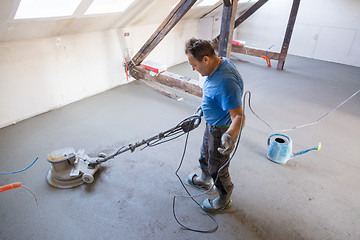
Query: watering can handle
(276, 134)
(268, 141)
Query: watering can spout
(317, 148)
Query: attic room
(100, 125)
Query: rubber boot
(217, 204)
(204, 181)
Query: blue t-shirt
(222, 91)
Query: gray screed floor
(313, 196)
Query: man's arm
(236, 115)
(228, 139)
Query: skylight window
(108, 6)
(46, 8)
(206, 3)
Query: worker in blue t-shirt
(223, 112)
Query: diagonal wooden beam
(289, 30)
(170, 21)
(249, 12)
(227, 28)
(160, 88)
(169, 80)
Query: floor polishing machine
(71, 169)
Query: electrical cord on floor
(28, 189)
(300, 126)
(233, 153)
(17, 185)
(216, 179)
(180, 130)
(192, 197)
(177, 132)
(5, 173)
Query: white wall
(170, 50)
(325, 29)
(329, 30)
(39, 75)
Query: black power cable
(217, 176)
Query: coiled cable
(216, 225)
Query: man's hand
(228, 144)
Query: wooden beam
(250, 51)
(168, 80)
(159, 88)
(216, 7)
(170, 21)
(289, 30)
(255, 52)
(249, 12)
(227, 28)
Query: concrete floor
(314, 196)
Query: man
(222, 108)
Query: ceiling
(140, 12)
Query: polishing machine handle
(186, 125)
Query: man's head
(201, 55)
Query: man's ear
(206, 59)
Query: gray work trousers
(211, 160)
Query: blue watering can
(280, 148)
